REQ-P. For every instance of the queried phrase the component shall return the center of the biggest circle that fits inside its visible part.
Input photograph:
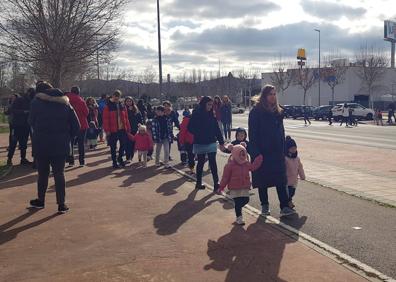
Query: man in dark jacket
(54, 124)
(19, 111)
(81, 109)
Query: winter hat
(236, 152)
(289, 143)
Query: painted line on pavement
(355, 265)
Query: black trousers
(292, 192)
(282, 192)
(129, 149)
(19, 135)
(190, 155)
(212, 165)
(239, 203)
(58, 167)
(121, 137)
(80, 140)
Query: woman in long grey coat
(267, 137)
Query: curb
(352, 264)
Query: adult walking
(54, 125)
(81, 109)
(142, 109)
(135, 118)
(226, 117)
(20, 131)
(203, 125)
(330, 117)
(93, 111)
(217, 110)
(267, 137)
(116, 125)
(306, 113)
(345, 115)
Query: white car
(237, 110)
(359, 111)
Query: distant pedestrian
(217, 110)
(93, 111)
(92, 135)
(236, 176)
(391, 113)
(162, 130)
(351, 119)
(203, 125)
(226, 117)
(173, 116)
(186, 140)
(330, 116)
(142, 109)
(150, 111)
(306, 116)
(135, 119)
(54, 124)
(82, 112)
(116, 125)
(143, 144)
(378, 117)
(345, 115)
(267, 137)
(20, 130)
(294, 168)
(101, 104)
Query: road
(362, 229)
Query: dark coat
(226, 113)
(20, 111)
(54, 123)
(134, 120)
(267, 137)
(203, 125)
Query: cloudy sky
(247, 34)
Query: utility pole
(159, 49)
(318, 30)
(97, 63)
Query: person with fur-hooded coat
(54, 123)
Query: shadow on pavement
(169, 188)
(169, 223)
(251, 254)
(20, 176)
(8, 235)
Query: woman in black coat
(267, 137)
(135, 118)
(203, 125)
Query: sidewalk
(139, 224)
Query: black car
(288, 110)
(322, 112)
(298, 111)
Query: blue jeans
(282, 196)
(227, 130)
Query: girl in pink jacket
(294, 168)
(236, 176)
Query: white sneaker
(240, 221)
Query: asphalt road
(362, 229)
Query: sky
(254, 34)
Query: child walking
(236, 176)
(186, 140)
(294, 168)
(240, 136)
(92, 135)
(143, 144)
(162, 135)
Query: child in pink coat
(143, 143)
(294, 168)
(236, 176)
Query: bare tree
(281, 78)
(371, 69)
(333, 74)
(59, 38)
(305, 79)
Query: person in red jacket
(81, 109)
(186, 140)
(143, 144)
(116, 125)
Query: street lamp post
(159, 49)
(318, 30)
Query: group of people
(391, 114)
(58, 121)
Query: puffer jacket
(185, 137)
(143, 142)
(81, 109)
(110, 123)
(237, 176)
(294, 168)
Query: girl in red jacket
(143, 144)
(186, 140)
(236, 176)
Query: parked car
(288, 110)
(298, 111)
(359, 111)
(237, 110)
(321, 112)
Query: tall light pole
(318, 30)
(159, 49)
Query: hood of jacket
(54, 99)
